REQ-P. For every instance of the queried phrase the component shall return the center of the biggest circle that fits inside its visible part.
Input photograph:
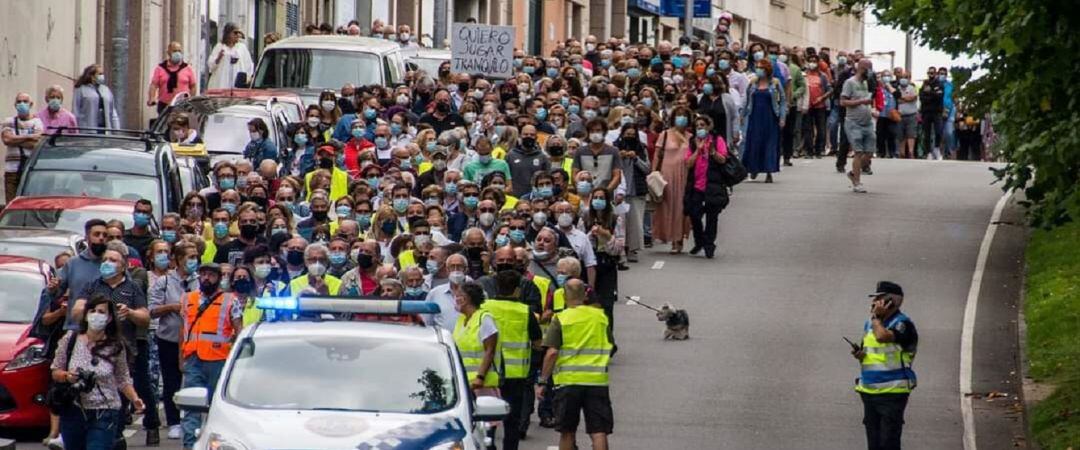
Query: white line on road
(967, 334)
(658, 265)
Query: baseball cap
(213, 267)
(325, 148)
(887, 287)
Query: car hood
(11, 337)
(293, 429)
(310, 96)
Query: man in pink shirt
(53, 116)
(170, 78)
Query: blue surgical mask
(574, 108)
(710, 72)
(758, 55)
(373, 182)
(279, 231)
(337, 258)
(107, 269)
(382, 142)
(191, 265)
(723, 64)
(364, 220)
(432, 266)
(599, 204)
(541, 114)
(344, 211)
(501, 240)
(702, 133)
(169, 236)
(759, 72)
(401, 204)
(300, 139)
(221, 229)
(552, 72)
(227, 183)
(369, 113)
(358, 133)
(395, 129)
(415, 291)
(141, 219)
(633, 72)
(450, 188)
(681, 121)
(176, 57)
(707, 89)
(518, 236)
(471, 201)
(55, 104)
(230, 207)
(484, 159)
(605, 63)
(529, 70)
(584, 187)
(161, 260)
(545, 192)
(560, 279)
(647, 101)
(23, 108)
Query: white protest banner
(482, 49)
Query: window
(316, 69)
(93, 184)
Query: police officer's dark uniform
(886, 378)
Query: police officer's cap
(888, 287)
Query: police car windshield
(347, 374)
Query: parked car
(307, 65)
(428, 60)
(126, 165)
(39, 243)
(222, 120)
(24, 368)
(64, 213)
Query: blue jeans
(89, 429)
(833, 125)
(198, 373)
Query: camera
(84, 381)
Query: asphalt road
(765, 367)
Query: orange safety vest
(210, 335)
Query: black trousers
(169, 359)
(791, 130)
(932, 128)
(886, 138)
(814, 125)
(703, 221)
(513, 392)
(140, 377)
(883, 417)
(844, 147)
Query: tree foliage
(1030, 87)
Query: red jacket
(353, 148)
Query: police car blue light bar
(355, 305)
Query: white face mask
(566, 220)
(313, 121)
(316, 269)
(596, 138)
(457, 277)
(97, 321)
(487, 219)
(328, 105)
(255, 135)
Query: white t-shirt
(33, 125)
(581, 245)
(487, 327)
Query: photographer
(94, 372)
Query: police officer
(519, 333)
(212, 320)
(886, 377)
(579, 350)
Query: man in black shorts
(580, 333)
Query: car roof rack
(147, 136)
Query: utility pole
(688, 19)
(438, 31)
(907, 52)
(118, 61)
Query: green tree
(1031, 87)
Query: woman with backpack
(706, 192)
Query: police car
(317, 383)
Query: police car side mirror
(490, 409)
(193, 399)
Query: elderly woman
(229, 59)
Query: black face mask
(422, 262)
(504, 267)
(97, 249)
(442, 107)
(528, 142)
(462, 87)
(364, 261)
(295, 257)
(320, 215)
(556, 150)
(474, 253)
(249, 231)
(643, 62)
(208, 288)
(444, 73)
(242, 286)
(261, 201)
(326, 163)
(669, 97)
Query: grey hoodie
(76, 276)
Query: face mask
(539, 218)
(168, 235)
(626, 120)
(544, 192)
(294, 257)
(528, 142)
(230, 207)
(337, 258)
(647, 101)
(402, 100)
(471, 202)
(484, 159)
(176, 57)
(541, 114)
(552, 72)
(590, 114)
(400, 205)
(161, 260)
(279, 231)
(54, 104)
(560, 279)
(300, 139)
(191, 265)
(529, 70)
(317, 269)
(574, 109)
(501, 240)
(388, 228)
(221, 229)
(681, 121)
(242, 286)
(369, 113)
(604, 110)
(96, 321)
(941, 78)
(343, 211)
(100, 78)
(584, 187)
(227, 183)
(107, 269)
(723, 64)
(517, 62)
(328, 105)
(382, 143)
(707, 89)
(759, 72)
(320, 216)
(363, 219)
(539, 255)
(517, 236)
(886, 79)
(596, 138)
(313, 122)
(487, 219)
(710, 72)
(432, 266)
(208, 288)
(841, 60)
(566, 220)
(440, 165)
(249, 231)
(358, 133)
(262, 271)
(904, 82)
(141, 219)
(457, 277)
(782, 58)
(758, 55)
(326, 163)
(702, 133)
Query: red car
(64, 213)
(24, 370)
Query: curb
(1026, 382)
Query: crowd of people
(455, 188)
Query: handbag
(894, 115)
(61, 396)
(655, 181)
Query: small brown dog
(677, 321)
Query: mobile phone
(852, 344)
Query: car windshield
(332, 373)
(122, 186)
(71, 220)
(317, 69)
(428, 65)
(226, 133)
(18, 288)
(44, 252)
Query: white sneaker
(175, 432)
(859, 189)
(56, 443)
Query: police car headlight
(456, 445)
(219, 442)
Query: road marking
(658, 265)
(967, 334)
